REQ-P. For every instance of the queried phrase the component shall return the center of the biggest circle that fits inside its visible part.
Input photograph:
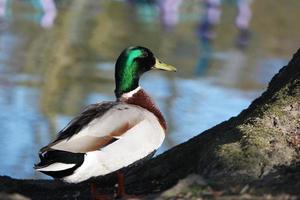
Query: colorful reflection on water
(58, 56)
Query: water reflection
(3, 8)
(4, 12)
(206, 32)
(58, 56)
(169, 10)
(49, 10)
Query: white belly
(135, 144)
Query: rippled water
(58, 56)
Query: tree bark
(259, 147)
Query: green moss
(259, 134)
(232, 154)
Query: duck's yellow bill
(163, 66)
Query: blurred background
(57, 56)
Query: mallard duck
(109, 136)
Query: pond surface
(58, 56)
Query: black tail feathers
(57, 156)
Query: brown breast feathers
(140, 98)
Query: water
(57, 57)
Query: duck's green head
(131, 64)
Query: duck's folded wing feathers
(97, 126)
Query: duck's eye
(145, 54)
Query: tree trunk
(260, 147)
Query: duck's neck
(140, 98)
(128, 95)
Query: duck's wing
(96, 127)
(119, 135)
